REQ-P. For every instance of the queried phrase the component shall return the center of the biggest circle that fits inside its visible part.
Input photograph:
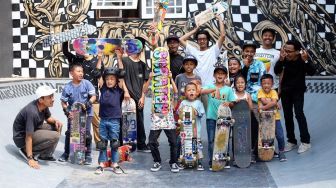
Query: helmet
(111, 71)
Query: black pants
(153, 144)
(289, 100)
(254, 133)
(141, 134)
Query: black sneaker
(64, 158)
(276, 155)
(180, 166)
(174, 168)
(145, 149)
(88, 160)
(49, 158)
(282, 157)
(156, 167)
(227, 165)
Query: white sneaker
(290, 146)
(174, 168)
(156, 167)
(304, 147)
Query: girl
(239, 90)
(234, 69)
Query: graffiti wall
(312, 22)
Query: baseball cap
(172, 37)
(190, 58)
(249, 43)
(221, 67)
(44, 90)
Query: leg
(279, 136)
(298, 99)
(287, 105)
(95, 122)
(114, 132)
(153, 144)
(45, 141)
(67, 141)
(211, 128)
(171, 135)
(104, 138)
(254, 133)
(141, 135)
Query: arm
(249, 101)
(221, 38)
(122, 85)
(185, 37)
(67, 53)
(29, 151)
(208, 91)
(173, 83)
(278, 68)
(58, 125)
(309, 69)
(97, 71)
(268, 106)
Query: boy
(220, 95)
(78, 90)
(267, 100)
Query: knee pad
(115, 144)
(101, 145)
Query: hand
(119, 53)
(217, 94)
(100, 54)
(58, 125)
(304, 55)
(247, 61)
(279, 106)
(34, 164)
(226, 104)
(127, 96)
(141, 102)
(87, 105)
(153, 27)
(151, 74)
(283, 54)
(218, 17)
(170, 75)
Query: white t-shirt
(269, 57)
(206, 61)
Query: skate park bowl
(314, 168)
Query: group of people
(192, 84)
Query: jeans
(88, 142)
(153, 144)
(279, 135)
(211, 129)
(109, 130)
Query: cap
(190, 58)
(172, 37)
(249, 43)
(221, 67)
(44, 90)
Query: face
(47, 101)
(189, 66)
(111, 81)
(267, 84)
(291, 53)
(248, 53)
(202, 41)
(173, 46)
(234, 66)
(240, 84)
(220, 76)
(77, 73)
(267, 38)
(191, 92)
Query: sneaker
(276, 155)
(156, 167)
(253, 159)
(49, 158)
(180, 166)
(227, 165)
(304, 147)
(117, 170)
(282, 157)
(210, 167)
(99, 170)
(290, 147)
(200, 167)
(145, 149)
(64, 158)
(174, 168)
(88, 160)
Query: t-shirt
(78, 93)
(110, 102)
(226, 95)
(136, 73)
(206, 61)
(254, 73)
(271, 95)
(269, 57)
(176, 64)
(182, 80)
(28, 120)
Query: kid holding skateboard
(268, 99)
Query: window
(176, 9)
(114, 4)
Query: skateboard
(107, 46)
(266, 135)
(160, 81)
(188, 134)
(215, 9)
(78, 31)
(160, 10)
(129, 123)
(77, 134)
(222, 135)
(242, 134)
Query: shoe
(145, 149)
(49, 158)
(227, 165)
(99, 170)
(304, 147)
(88, 160)
(282, 157)
(64, 158)
(200, 167)
(156, 167)
(253, 159)
(117, 170)
(276, 155)
(210, 168)
(180, 166)
(290, 147)
(174, 168)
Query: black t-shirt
(176, 64)
(136, 73)
(28, 120)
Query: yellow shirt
(271, 95)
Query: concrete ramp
(315, 168)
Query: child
(234, 69)
(239, 90)
(191, 100)
(267, 99)
(221, 95)
(78, 90)
(112, 94)
(167, 124)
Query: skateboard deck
(129, 123)
(78, 31)
(107, 46)
(188, 134)
(77, 134)
(160, 10)
(210, 13)
(161, 81)
(266, 136)
(222, 135)
(242, 134)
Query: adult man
(176, 60)
(268, 55)
(294, 62)
(31, 135)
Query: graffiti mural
(305, 20)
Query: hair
(190, 84)
(268, 30)
(295, 43)
(204, 32)
(236, 79)
(234, 59)
(266, 76)
(73, 66)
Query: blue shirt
(78, 93)
(110, 102)
(254, 73)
